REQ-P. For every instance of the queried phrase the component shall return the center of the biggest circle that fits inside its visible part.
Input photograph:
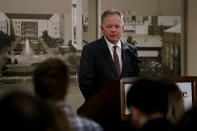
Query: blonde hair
(176, 104)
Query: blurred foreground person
(147, 101)
(51, 82)
(20, 111)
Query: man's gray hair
(109, 12)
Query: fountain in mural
(28, 51)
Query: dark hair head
(109, 12)
(149, 96)
(24, 112)
(51, 78)
(20, 111)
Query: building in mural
(31, 26)
(157, 39)
(4, 23)
(171, 50)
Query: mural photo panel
(29, 36)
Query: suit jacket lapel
(106, 54)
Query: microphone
(134, 56)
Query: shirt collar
(110, 45)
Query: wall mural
(27, 39)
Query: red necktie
(116, 61)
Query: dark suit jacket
(97, 66)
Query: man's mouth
(113, 36)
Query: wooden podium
(104, 107)
(108, 106)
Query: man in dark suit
(101, 61)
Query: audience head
(21, 111)
(147, 99)
(51, 79)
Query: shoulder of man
(128, 45)
(88, 125)
(80, 123)
(94, 43)
(131, 50)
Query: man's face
(112, 28)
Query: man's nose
(113, 28)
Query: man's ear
(169, 113)
(101, 27)
(122, 28)
(134, 112)
(67, 89)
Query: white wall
(146, 7)
(191, 53)
(34, 6)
